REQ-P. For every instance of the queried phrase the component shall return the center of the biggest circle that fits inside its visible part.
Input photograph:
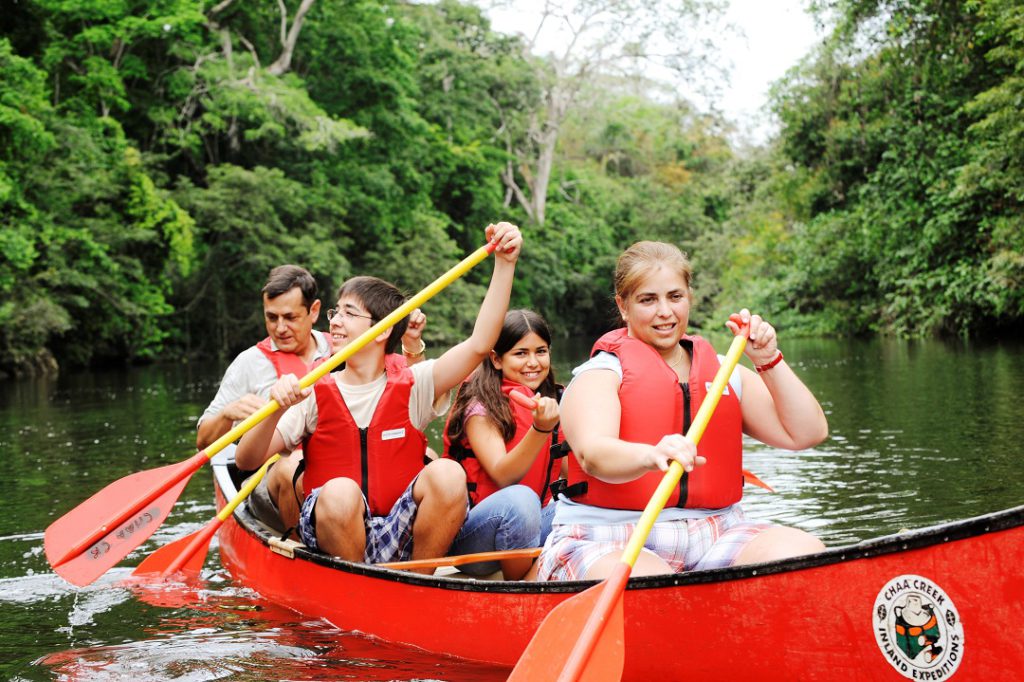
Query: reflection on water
(921, 433)
(218, 631)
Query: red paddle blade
(91, 538)
(588, 628)
(185, 555)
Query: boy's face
(348, 319)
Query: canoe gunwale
(874, 547)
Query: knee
(781, 542)
(524, 504)
(445, 479)
(279, 478)
(340, 501)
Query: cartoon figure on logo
(917, 629)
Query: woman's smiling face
(657, 311)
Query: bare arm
(215, 426)
(590, 420)
(263, 440)
(507, 468)
(778, 409)
(457, 362)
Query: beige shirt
(300, 420)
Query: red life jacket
(546, 466)
(654, 404)
(289, 363)
(383, 458)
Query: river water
(921, 433)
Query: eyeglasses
(346, 313)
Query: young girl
(510, 452)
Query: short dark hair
(284, 278)
(379, 298)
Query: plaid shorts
(388, 538)
(686, 545)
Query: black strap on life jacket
(562, 487)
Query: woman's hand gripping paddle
(94, 536)
(586, 631)
(188, 554)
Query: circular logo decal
(918, 628)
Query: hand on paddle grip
(287, 391)
(674, 446)
(508, 241)
(545, 410)
(764, 344)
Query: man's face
(288, 322)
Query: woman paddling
(508, 448)
(624, 415)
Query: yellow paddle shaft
(675, 470)
(356, 345)
(247, 489)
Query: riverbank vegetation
(158, 157)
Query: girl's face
(527, 362)
(658, 310)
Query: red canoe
(931, 604)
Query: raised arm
(457, 362)
(778, 409)
(591, 411)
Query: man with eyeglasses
(292, 346)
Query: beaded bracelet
(764, 368)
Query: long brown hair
(484, 383)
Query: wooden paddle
(460, 559)
(589, 626)
(102, 530)
(188, 554)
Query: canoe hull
(934, 604)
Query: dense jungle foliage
(157, 157)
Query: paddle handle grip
(524, 400)
(675, 470)
(432, 289)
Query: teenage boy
(366, 494)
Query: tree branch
(284, 62)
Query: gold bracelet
(416, 354)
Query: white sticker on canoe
(392, 434)
(918, 628)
